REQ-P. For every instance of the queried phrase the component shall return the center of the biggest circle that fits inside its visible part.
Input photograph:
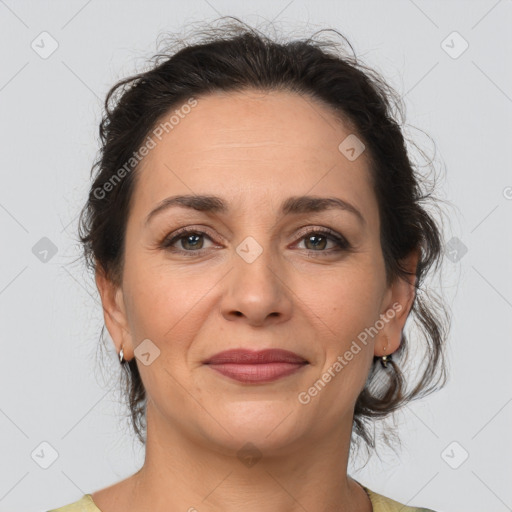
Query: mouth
(251, 366)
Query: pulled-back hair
(236, 57)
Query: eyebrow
(293, 205)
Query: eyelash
(341, 243)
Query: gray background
(52, 389)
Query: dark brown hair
(234, 57)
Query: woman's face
(250, 275)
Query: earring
(121, 356)
(385, 359)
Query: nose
(256, 291)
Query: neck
(184, 472)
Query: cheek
(347, 298)
(165, 304)
(348, 305)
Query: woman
(258, 241)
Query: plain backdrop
(62, 428)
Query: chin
(268, 426)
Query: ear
(398, 299)
(114, 313)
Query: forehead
(251, 147)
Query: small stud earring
(121, 356)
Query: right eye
(190, 240)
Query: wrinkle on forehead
(234, 144)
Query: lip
(244, 356)
(251, 366)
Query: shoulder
(381, 503)
(84, 504)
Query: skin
(253, 149)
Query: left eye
(191, 241)
(319, 236)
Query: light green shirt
(380, 504)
